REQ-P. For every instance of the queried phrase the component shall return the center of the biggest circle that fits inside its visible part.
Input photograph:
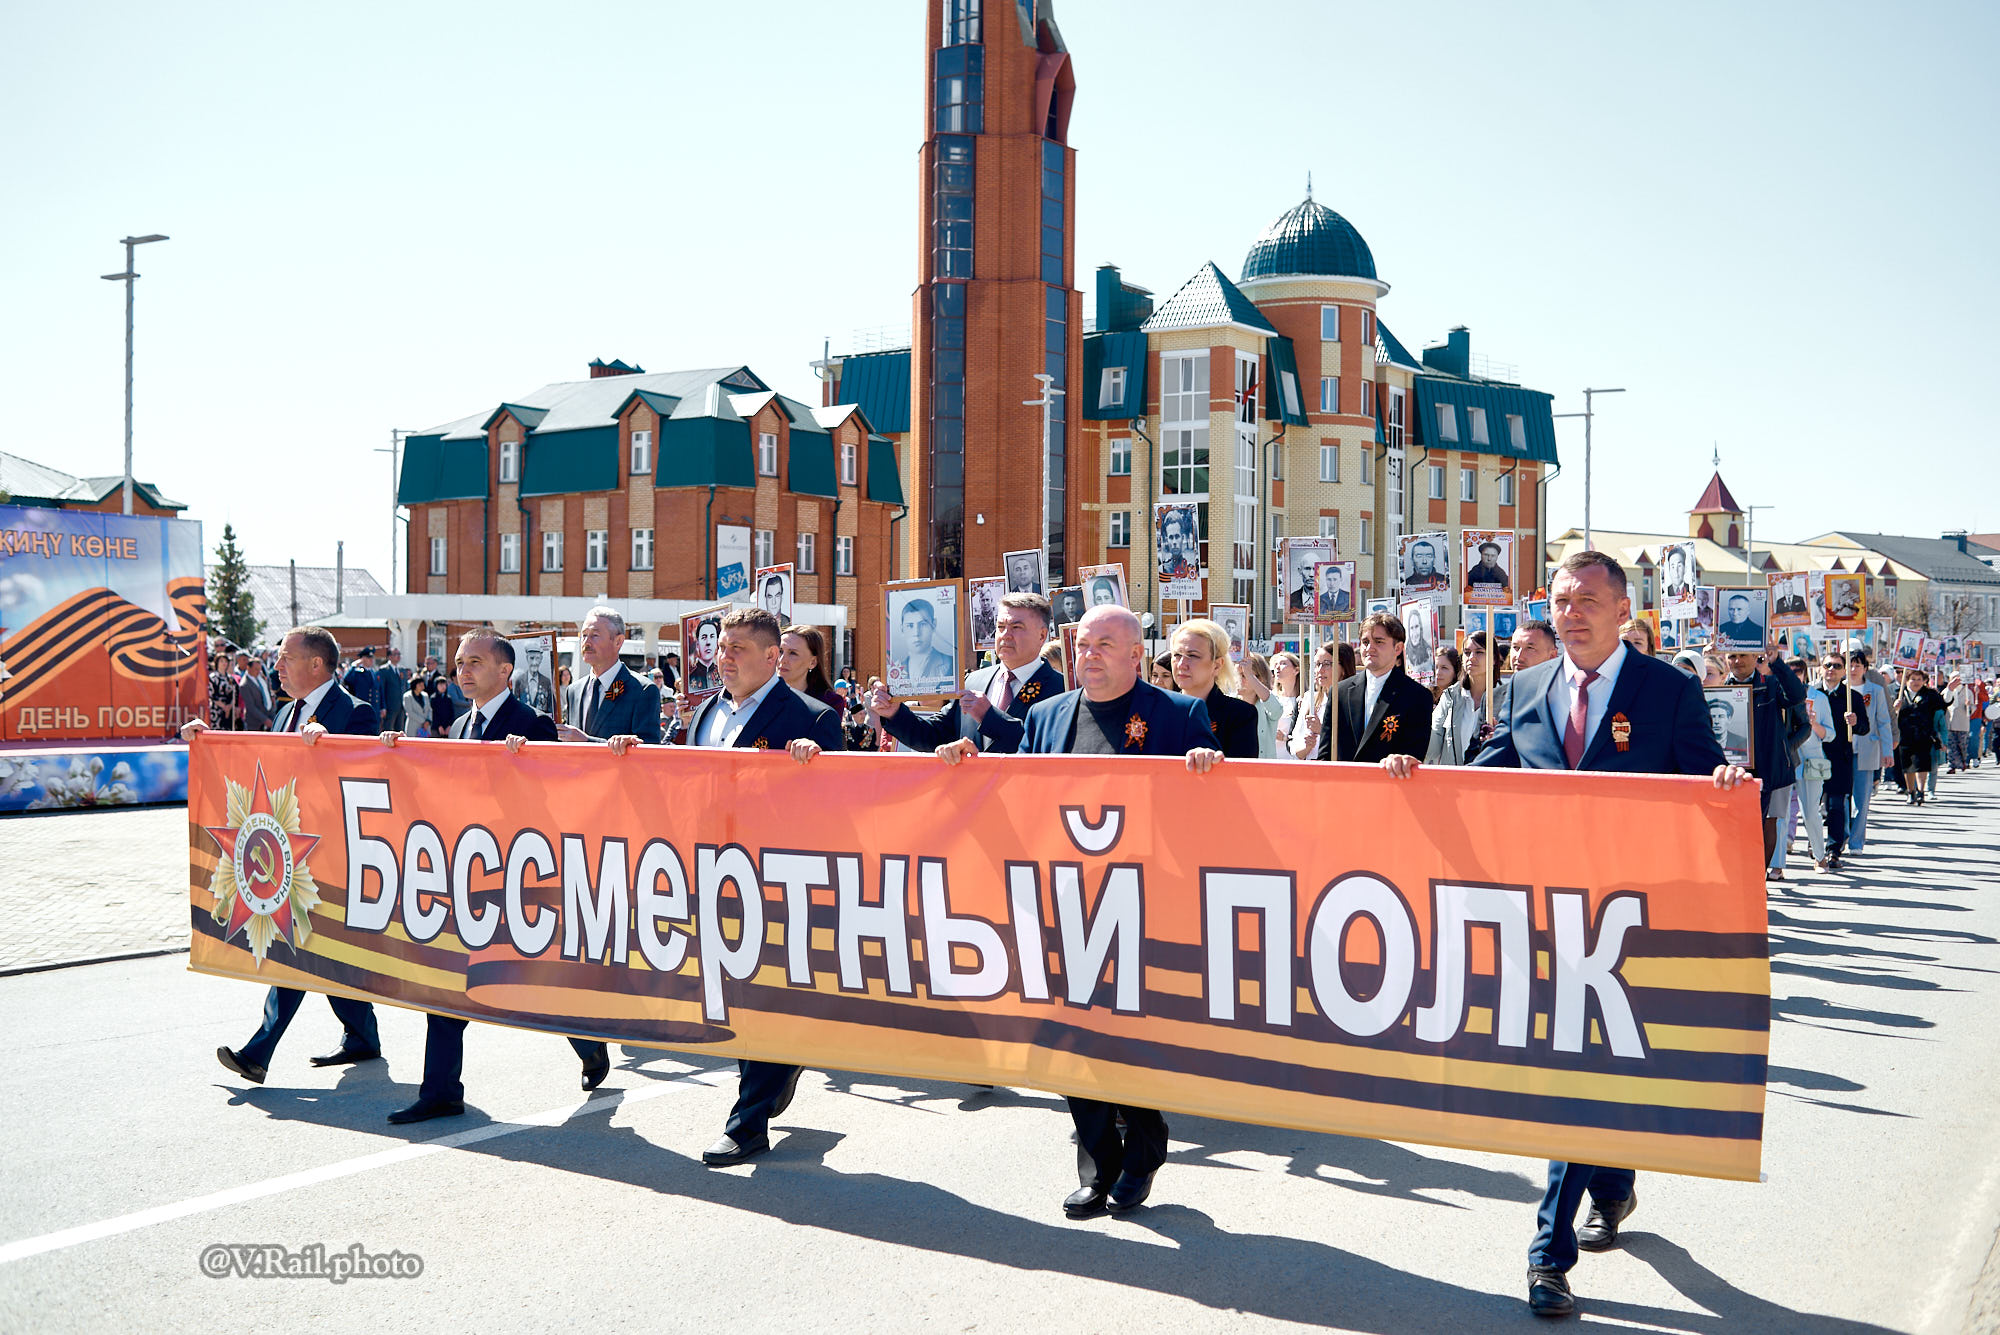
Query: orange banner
(1572, 966)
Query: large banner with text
(1572, 966)
(102, 619)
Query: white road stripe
(161, 1214)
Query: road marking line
(161, 1214)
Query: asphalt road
(891, 1205)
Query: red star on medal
(263, 870)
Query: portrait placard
(1298, 559)
(1066, 605)
(1420, 637)
(1424, 565)
(982, 600)
(921, 631)
(701, 638)
(1489, 568)
(1177, 538)
(1909, 647)
(534, 680)
(1932, 650)
(1234, 618)
(1677, 586)
(1068, 634)
(1744, 620)
(1805, 644)
(1703, 629)
(1790, 601)
(1025, 571)
(1381, 605)
(774, 591)
(1846, 602)
(1729, 714)
(1333, 592)
(1104, 586)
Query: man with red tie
(307, 658)
(1595, 706)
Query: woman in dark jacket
(802, 664)
(1202, 669)
(1917, 706)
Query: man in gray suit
(610, 700)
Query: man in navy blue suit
(1597, 706)
(307, 658)
(1113, 713)
(610, 699)
(755, 709)
(362, 683)
(485, 667)
(996, 700)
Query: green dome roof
(1311, 239)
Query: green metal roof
(1532, 406)
(705, 452)
(809, 462)
(1398, 354)
(1283, 401)
(558, 463)
(1127, 349)
(1310, 239)
(436, 469)
(885, 483)
(880, 383)
(1206, 300)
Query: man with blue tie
(1113, 713)
(755, 709)
(307, 659)
(990, 711)
(610, 699)
(485, 667)
(1596, 706)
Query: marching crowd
(1580, 691)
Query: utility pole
(1047, 404)
(1750, 537)
(1588, 544)
(130, 276)
(396, 435)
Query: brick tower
(996, 301)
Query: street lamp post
(1047, 404)
(128, 277)
(1585, 415)
(394, 452)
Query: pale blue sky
(1774, 224)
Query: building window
(596, 549)
(1367, 327)
(767, 454)
(1111, 388)
(437, 556)
(1329, 324)
(1329, 527)
(1244, 544)
(1367, 397)
(960, 90)
(1290, 384)
(510, 553)
(764, 547)
(510, 461)
(1477, 418)
(808, 544)
(1121, 528)
(552, 552)
(1184, 433)
(1329, 394)
(1507, 488)
(1447, 422)
(1246, 589)
(642, 451)
(1392, 430)
(1329, 463)
(843, 556)
(1367, 465)
(1517, 431)
(1468, 484)
(1434, 482)
(1121, 456)
(849, 453)
(1052, 212)
(1277, 462)
(642, 549)
(1367, 536)
(961, 22)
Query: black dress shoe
(1548, 1293)
(594, 1073)
(1600, 1231)
(1084, 1203)
(1129, 1192)
(425, 1109)
(343, 1055)
(249, 1070)
(729, 1151)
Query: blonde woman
(1202, 669)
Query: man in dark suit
(307, 659)
(1382, 711)
(362, 683)
(485, 664)
(392, 683)
(1113, 713)
(990, 711)
(1599, 706)
(755, 709)
(610, 699)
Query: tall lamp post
(128, 278)
(1047, 404)
(1585, 415)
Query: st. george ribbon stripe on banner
(1571, 966)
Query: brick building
(622, 487)
(25, 482)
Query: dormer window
(510, 461)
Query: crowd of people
(1826, 734)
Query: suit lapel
(1065, 717)
(1621, 700)
(1382, 703)
(763, 716)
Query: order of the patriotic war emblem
(261, 884)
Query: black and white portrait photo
(1067, 605)
(1024, 572)
(1426, 563)
(1234, 618)
(1489, 557)
(773, 586)
(1743, 623)
(1178, 535)
(1790, 604)
(922, 636)
(534, 683)
(1677, 586)
(1420, 637)
(701, 638)
(1703, 629)
(1729, 715)
(982, 599)
(1104, 586)
(1333, 590)
(1298, 558)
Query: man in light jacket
(1872, 749)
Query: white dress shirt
(724, 721)
(486, 713)
(1564, 683)
(307, 705)
(1371, 693)
(1021, 675)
